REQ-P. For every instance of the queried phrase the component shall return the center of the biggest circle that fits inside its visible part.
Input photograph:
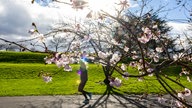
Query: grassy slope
(21, 57)
(22, 79)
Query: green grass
(22, 79)
(19, 76)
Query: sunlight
(97, 5)
(1, 9)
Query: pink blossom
(178, 104)
(132, 64)
(146, 30)
(59, 63)
(47, 78)
(67, 68)
(115, 82)
(143, 40)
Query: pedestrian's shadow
(86, 105)
(128, 101)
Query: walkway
(75, 101)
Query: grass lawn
(22, 79)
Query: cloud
(14, 18)
(178, 28)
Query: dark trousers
(84, 78)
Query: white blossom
(125, 75)
(102, 55)
(188, 79)
(32, 31)
(161, 100)
(180, 95)
(159, 49)
(126, 49)
(114, 42)
(187, 92)
(41, 38)
(143, 39)
(123, 66)
(178, 56)
(115, 58)
(140, 79)
(178, 104)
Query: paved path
(75, 101)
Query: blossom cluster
(47, 77)
(181, 95)
(114, 81)
(61, 60)
(112, 57)
(185, 72)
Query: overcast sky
(16, 17)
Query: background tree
(57, 43)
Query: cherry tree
(112, 37)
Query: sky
(16, 16)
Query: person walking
(84, 77)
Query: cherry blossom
(188, 79)
(32, 31)
(59, 63)
(67, 68)
(124, 4)
(161, 99)
(180, 95)
(103, 55)
(47, 78)
(143, 39)
(123, 66)
(41, 38)
(146, 36)
(184, 93)
(187, 92)
(115, 82)
(125, 75)
(178, 104)
(178, 56)
(126, 49)
(115, 58)
(48, 60)
(133, 64)
(140, 79)
(159, 49)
